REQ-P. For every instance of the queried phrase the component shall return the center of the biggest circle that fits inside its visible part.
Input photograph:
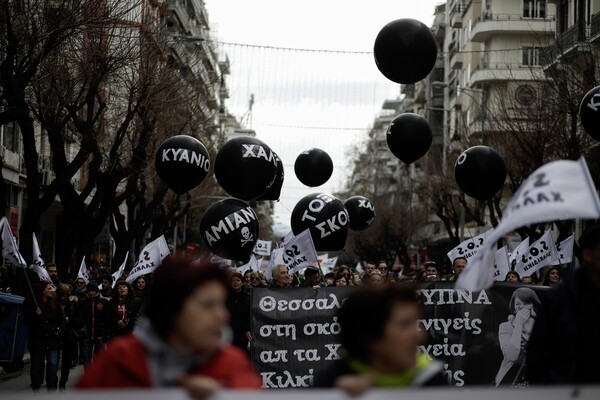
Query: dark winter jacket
(93, 314)
(132, 310)
(46, 331)
(563, 348)
(238, 304)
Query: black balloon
(480, 172)
(589, 112)
(405, 51)
(409, 137)
(229, 228)
(361, 212)
(275, 191)
(246, 167)
(326, 218)
(313, 167)
(182, 162)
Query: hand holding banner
(557, 190)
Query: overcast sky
(306, 99)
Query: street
(18, 382)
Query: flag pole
(30, 288)
(321, 272)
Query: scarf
(166, 363)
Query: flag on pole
(469, 248)
(539, 254)
(557, 190)
(328, 264)
(262, 248)
(150, 258)
(39, 266)
(299, 252)
(119, 273)
(565, 251)
(250, 265)
(518, 252)
(83, 272)
(359, 268)
(501, 264)
(10, 250)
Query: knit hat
(92, 286)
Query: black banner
(295, 332)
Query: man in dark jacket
(92, 313)
(563, 348)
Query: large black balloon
(589, 112)
(480, 172)
(229, 228)
(326, 218)
(361, 212)
(313, 167)
(246, 167)
(409, 137)
(182, 162)
(405, 51)
(275, 191)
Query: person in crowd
(256, 279)
(124, 309)
(329, 277)
(92, 314)
(569, 323)
(281, 277)
(431, 272)
(68, 303)
(46, 321)
(141, 288)
(512, 277)
(551, 277)
(247, 275)
(383, 268)
(376, 278)
(370, 267)
(53, 273)
(345, 270)
(80, 288)
(412, 276)
(365, 278)
(380, 337)
(263, 280)
(106, 287)
(238, 305)
(513, 336)
(527, 280)
(312, 277)
(340, 280)
(180, 341)
(458, 265)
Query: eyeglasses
(254, 278)
(383, 268)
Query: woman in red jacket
(179, 342)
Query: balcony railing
(510, 17)
(564, 43)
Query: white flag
(565, 251)
(469, 247)
(83, 272)
(557, 190)
(359, 268)
(263, 248)
(222, 262)
(250, 265)
(150, 258)
(501, 264)
(299, 252)
(328, 264)
(539, 254)
(519, 251)
(276, 259)
(287, 238)
(119, 273)
(39, 266)
(10, 250)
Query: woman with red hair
(179, 342)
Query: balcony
(493, 72)
(595, 27)
(456, 61)
(487, 26)
(456, 21)
(178, 9)
(569, 43)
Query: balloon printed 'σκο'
(325, 217)
(246, 167)
(229, 228)
(182, 162)
(361, 212)
(480, 172)
(589, 113)
(405, 51)
(313, 167)
(409, 137)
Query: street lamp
(466, 91)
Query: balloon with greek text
(409, 137)
(361, 212)
(275, 190)
(405, 51)
(182, 162)
(589, 112)
(313, 167)
(229, 228)
(480, 172)
(325, 217)
(246, 167)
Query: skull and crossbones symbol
(246, 236)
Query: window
(534, 9)
(531, 56)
